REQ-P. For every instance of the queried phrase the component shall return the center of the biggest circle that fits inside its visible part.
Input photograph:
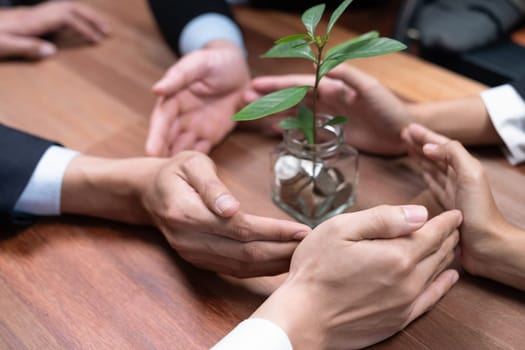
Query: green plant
(311, 46)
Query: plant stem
(316, 86)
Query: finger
(426, 300)
(435, 164)
(163, 115)
(26, 47)
(239, 269)
(246, 228)
(182, 74)
(185, 141)
(379, 222)
(203, 146)
(93, 18)
(353, 77)
(436, 189)
(437, 263)
(201, 174)
(421, 135)
(84, 28)
(175, 131)
(266, 84)
(453, 153)
(331, 90)
(431, 236)
(438, 170)
(195, 244)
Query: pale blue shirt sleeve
(255, 334)
(41, 196)
(506, 109)
(208, 27)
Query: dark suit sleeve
(19, 155)
(173, 15)
(519, 85)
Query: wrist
(226, 44)
(504, 260)
(107, 188)
(291, 308)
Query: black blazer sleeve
(19, 155)
(173, 15)
(519, 85)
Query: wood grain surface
(78, 283)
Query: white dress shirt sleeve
(208, 27)
(41, 196)
(506, 109)
(255, 334)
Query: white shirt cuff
(41, 195)
(506, 109)
(255, 334)
(208, 27)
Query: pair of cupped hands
(346, 265)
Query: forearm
(465, 120)
(106, 188)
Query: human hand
(359, 278)
(459, 182)
(197, 97)
(201, 220)
(22, 27)
(377, 116)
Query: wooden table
(92, 284)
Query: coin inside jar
(326, 182)
(344, 192)
(287, 168)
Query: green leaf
(336, 14)
(292, 38)
(290, 123)
(367, 48)
(350, 44)
(272, 103)
(337, 120)
(311, 18)
(305, 117)
(291, 49)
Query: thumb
(381, 222)
(454, 154)
(202, 176)
(27, 47)
(353, 77)
(188, 70)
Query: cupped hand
(21, 28)
(459, 181)
(197, 97)
(377, 116)
(202, 221)
(359, 278)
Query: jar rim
(298, 145)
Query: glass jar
(315, 182)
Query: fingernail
(159, 85)
(415, 214)
(430, 147)
(455, 277)
(225, 202)
(460, 217)
(300, 235)
(47, 49)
